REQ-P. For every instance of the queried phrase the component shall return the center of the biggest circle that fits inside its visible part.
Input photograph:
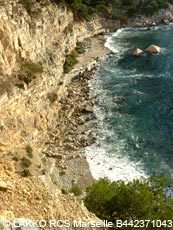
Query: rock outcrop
(153, 49)
(138, 52)
(44, 34)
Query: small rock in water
(153, 49)
(166, 22)
(138, 52)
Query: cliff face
(163, 16)
(45, 31)
(42, 33)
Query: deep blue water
(133, 100)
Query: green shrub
(29, 151)
(70, 61)
(82, 12)
(76, 189)
(74, 54)
(26, 162)
(80, 48)
(26, 173)
(140, 199)
(115, 16)
(29, 70)
(31, 67)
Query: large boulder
(138, 52)
(166, 22)
(153, 49)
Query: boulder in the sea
(138, 52)
(153, 49)
(166, 22)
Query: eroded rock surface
(41, 126)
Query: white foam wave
(110, 43)
(112, 159)
(114, 167)
(105, 159)
(118, 32)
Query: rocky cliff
(163, 16)
(34, 113)
(43, 35)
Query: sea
(133, 106)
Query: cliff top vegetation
(83, 9)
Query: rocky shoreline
(75, 168)
(67, 142)
(70, 136)
(76, 114)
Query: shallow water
(133, 103)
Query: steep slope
(36, 108)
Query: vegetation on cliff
(83, 9)
(70, 61)
(137, 200)
(148, 7)
(29, 71)
(112, 9)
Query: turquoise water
(133, 101)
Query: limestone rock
(27, 116)
(3, 186)
(138, 52)
(89, 109)
(153, 49)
